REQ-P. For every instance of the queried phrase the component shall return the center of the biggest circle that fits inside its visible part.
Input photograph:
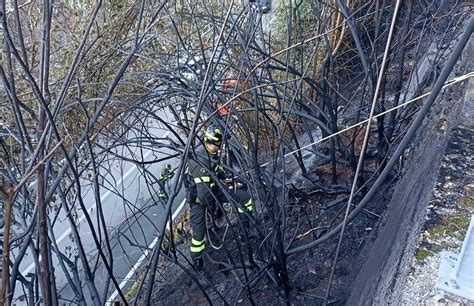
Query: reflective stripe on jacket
(201, 164)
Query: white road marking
(137, 265)
(90, 209)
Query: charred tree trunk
(4, 291)
(42, 222)
(45, 268)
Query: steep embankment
(382, 278)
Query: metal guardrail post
(467, 242)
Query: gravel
(454, 187)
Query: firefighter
(202, 191)
(165, 176)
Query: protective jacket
(202, 192)
(204, 167)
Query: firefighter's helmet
(213, 134)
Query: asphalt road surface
(132, 216)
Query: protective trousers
(162, 192)
(198, 216)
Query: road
(130, 212)
(131, 216)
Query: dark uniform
(203, 192)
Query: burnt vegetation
(316, 118)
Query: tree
(96, 91)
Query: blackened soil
(224, 278)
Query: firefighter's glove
(228, 181)
(232, 183)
